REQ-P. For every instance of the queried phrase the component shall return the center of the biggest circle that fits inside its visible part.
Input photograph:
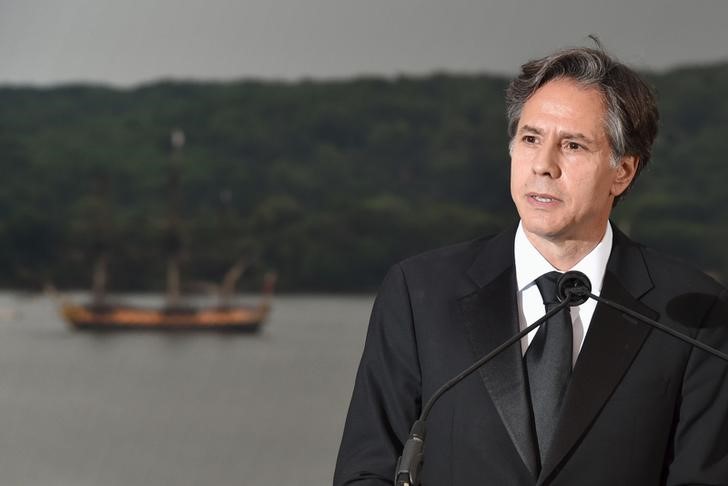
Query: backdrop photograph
(201, 201)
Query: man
(594, 397)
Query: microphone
(409, 463)
(573, 288)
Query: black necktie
(548, 363)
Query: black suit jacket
(642, 408)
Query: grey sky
(125, 42)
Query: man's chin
(544, 230)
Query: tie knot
(546, 284)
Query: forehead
(563, 104)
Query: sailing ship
(175, 315)
(239, 318)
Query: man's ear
(625, 173)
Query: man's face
(562, 180)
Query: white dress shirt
(530, 265)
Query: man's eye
(573, 146)
(529, 139)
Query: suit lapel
(610, 346)
(490, 315)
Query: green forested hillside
(327, 182)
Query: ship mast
(102, 236)
(173, 237)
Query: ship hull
(117, 318)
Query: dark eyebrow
(576, 136)
(530, 129)
(567, 135)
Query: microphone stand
(635, 317)
(410, 462)
(574, 286)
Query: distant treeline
(329, 183)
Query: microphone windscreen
(575, 287)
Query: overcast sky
(127, 42)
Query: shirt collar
(530, 264)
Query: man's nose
(546, 162)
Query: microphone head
(575, 287)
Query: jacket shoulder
(666, 273)
(450, 258)
(683, 276)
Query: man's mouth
(543, 198)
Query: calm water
(170, 409)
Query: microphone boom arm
(463, 374)
(410, 462)
(638, 317)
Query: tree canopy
(328, 182)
